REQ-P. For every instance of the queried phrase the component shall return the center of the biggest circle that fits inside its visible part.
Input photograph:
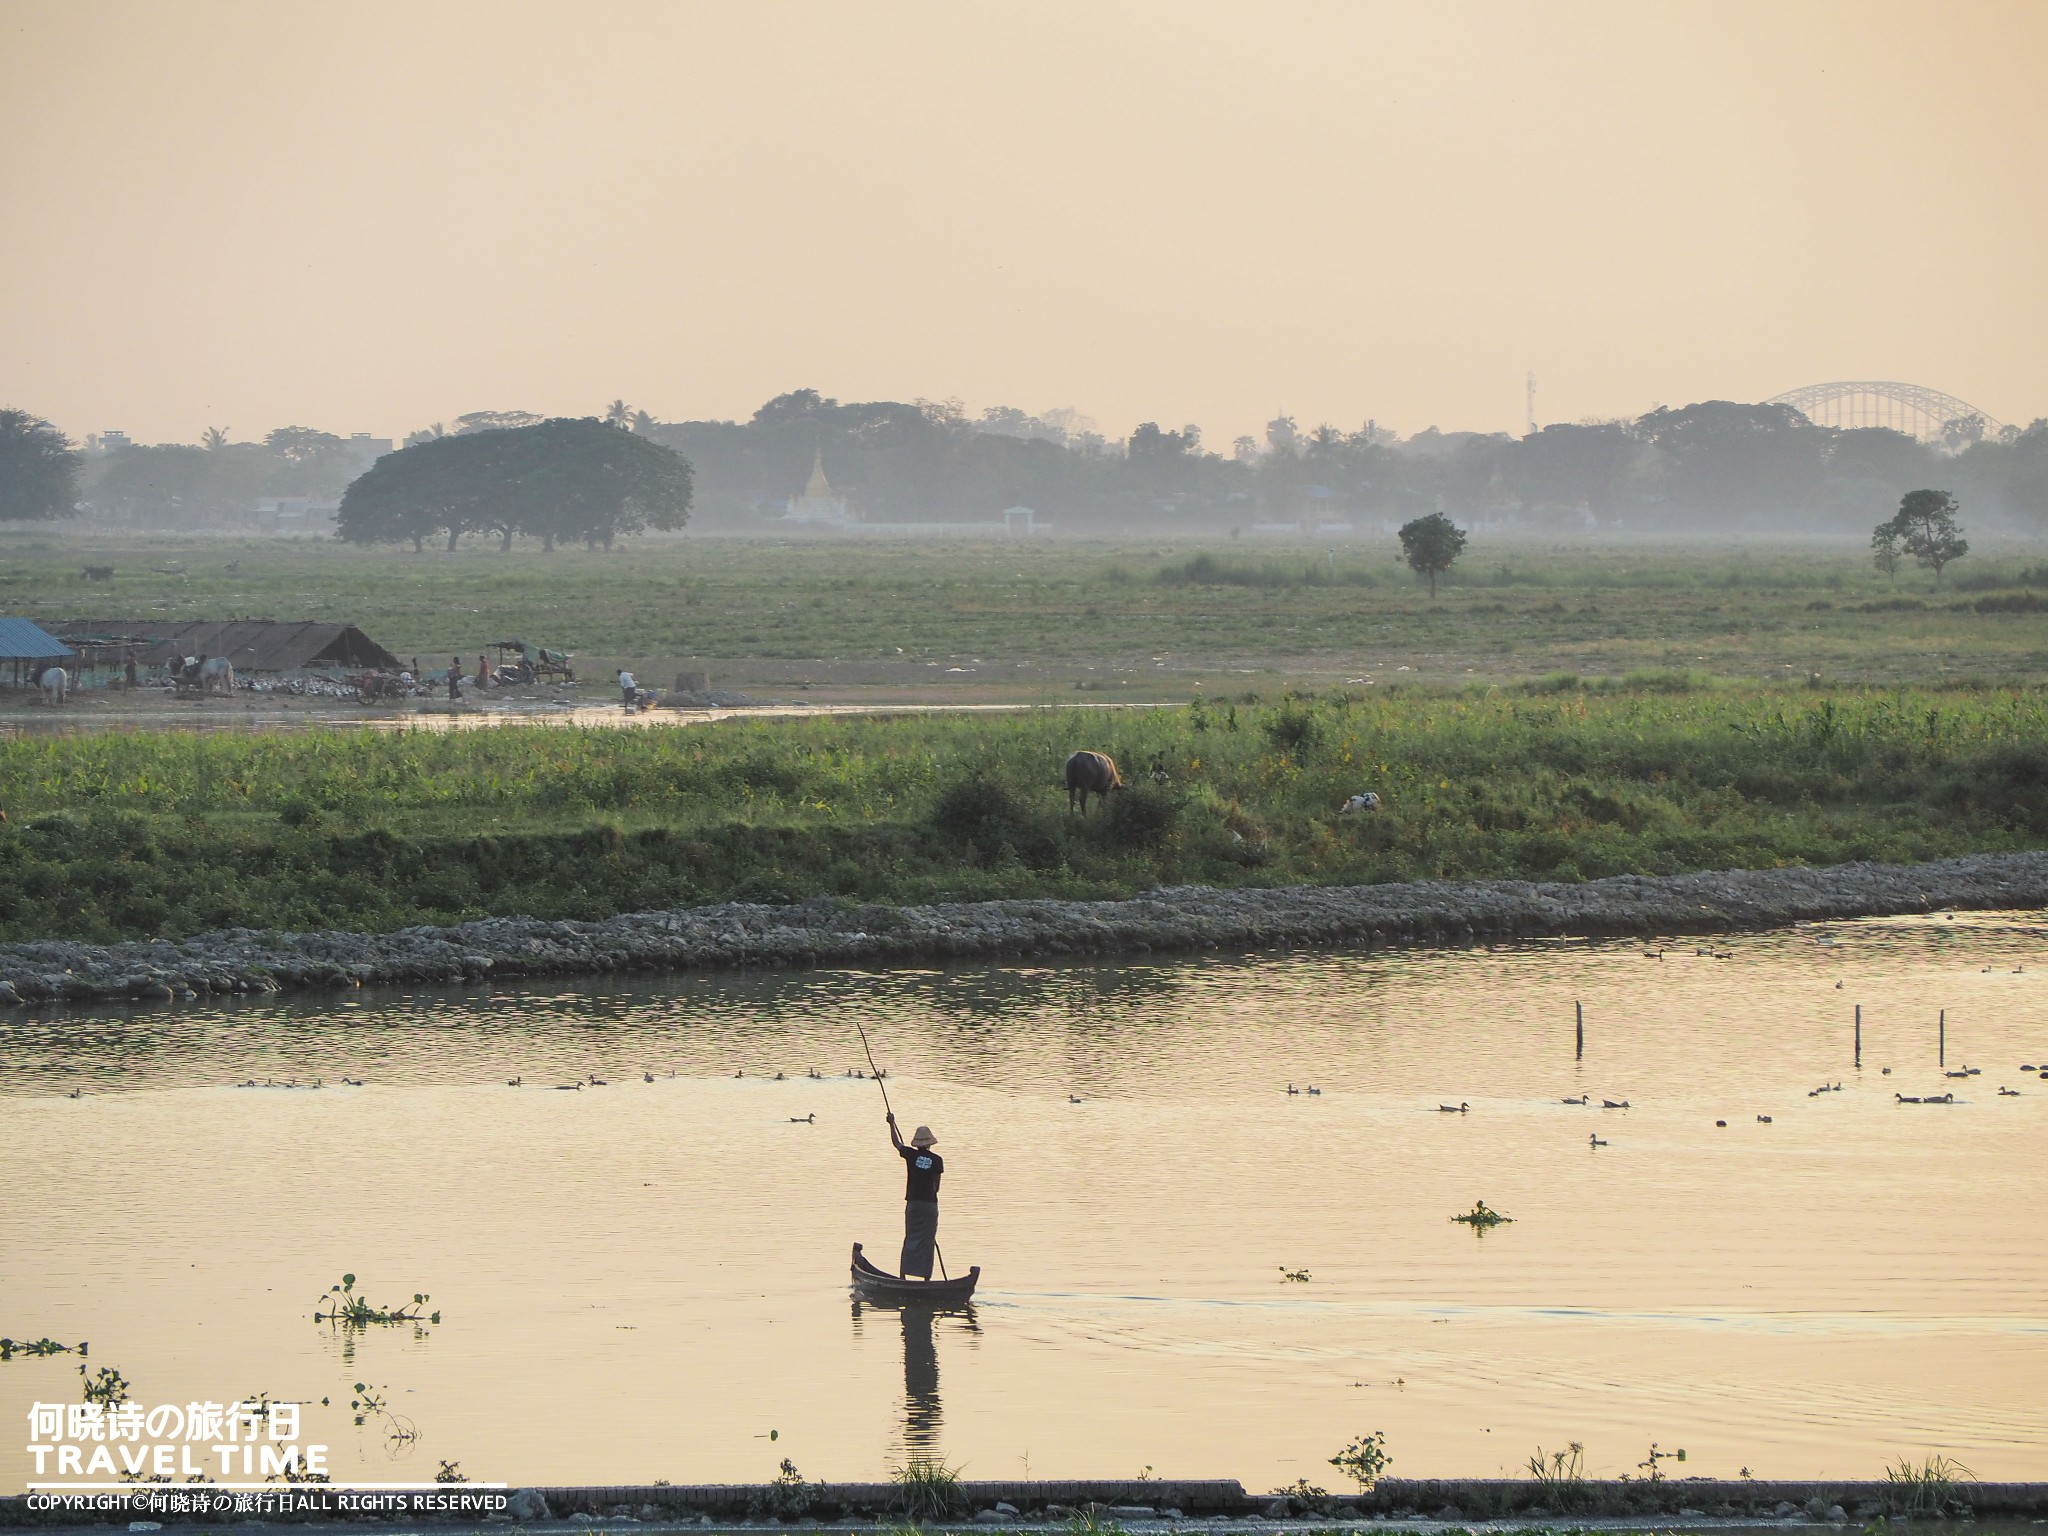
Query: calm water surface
(642, 1280)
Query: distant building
(100, 444)
(367, 449)
(819, 504)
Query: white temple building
(819, 504)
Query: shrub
(1294, 729)
(1142, 819)
(989, 816)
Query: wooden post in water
(1859, 1037)
(1580, 1010)
(1941, 1050)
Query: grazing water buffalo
(1090, 773)
(1361, 803)
(56, 684)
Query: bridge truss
(1927, 414)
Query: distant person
(924, 1168)
(483, 670)
(131, 675)
(629, 690)
(454, 677)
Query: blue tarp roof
(21, 639)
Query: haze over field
(373, 216)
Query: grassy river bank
(133, 835)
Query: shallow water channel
(643, 1280)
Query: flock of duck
(1585, 1100)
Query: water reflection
(1745, 1268)
(923, 1415)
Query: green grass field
(1035, 621)
(142, 833)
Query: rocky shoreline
(823, 931)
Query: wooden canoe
(874, 1284)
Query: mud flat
(822, 931)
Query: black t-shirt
(923, 1166)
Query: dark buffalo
(1090, 773)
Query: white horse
(216, 675)
(56, 685)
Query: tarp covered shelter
(25, 640)
(251, 645)
(22, 642)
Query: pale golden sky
(367, 216)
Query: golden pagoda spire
(820, 488)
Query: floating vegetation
(33, 1348)
(1300, 1276)
(1481, 1217)
(371, 1403)
(342, 1305)
(257, 1405)
(451, 1472)
(927, 1489)
(1364, 1460)
(106, 1388)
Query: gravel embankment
(824, 932)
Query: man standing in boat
(924, 1168)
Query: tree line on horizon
(1713, 465)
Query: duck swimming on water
(1581, 1099)
(1614, 1103)
(1454, 1109)
(1595, 1141)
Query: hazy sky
(368, 217)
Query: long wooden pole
(877, 1071)
(874, 1069)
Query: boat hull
(872, 1284)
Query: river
(646, 1280)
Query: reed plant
(927, 1489)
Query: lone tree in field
(1925, 528)
(553, 480)
(38, 470)
(1432, 545)
(1884, 550)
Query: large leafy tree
(556, 480)
(1733, 461)
(1431, 545)
(38, 469)
(1925, 528)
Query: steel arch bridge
(1927, 414)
